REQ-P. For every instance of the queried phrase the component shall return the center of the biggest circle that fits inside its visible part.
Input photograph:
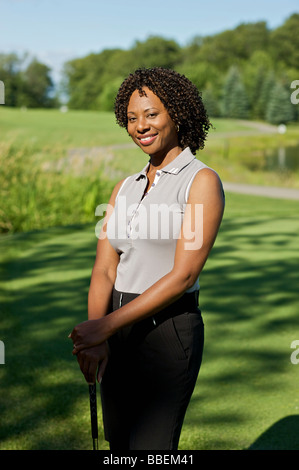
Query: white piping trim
(189, 185)
(123, 183)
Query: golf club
(93, 415)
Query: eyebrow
(145, 111)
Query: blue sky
(55, 31)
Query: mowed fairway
(247, 390)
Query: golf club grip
(93, 411)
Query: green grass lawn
(42, 127)
(247, 390)
(74, 128)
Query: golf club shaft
(93, 415)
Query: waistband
(188, 302)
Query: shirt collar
(174, 167)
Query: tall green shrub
(33, 199)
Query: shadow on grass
(246, 287)
(283, 435)
(44, 297)
(250, 303)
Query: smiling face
(150, 125)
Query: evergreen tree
(211, 102)
(254, 74)
(235, 101)
(239, 106)
(279, 109)
(268, 85)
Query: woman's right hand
(93, 360)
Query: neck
(160, 161)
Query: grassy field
(52, 161)
(74, 128)
(246, 396)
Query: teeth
(147, 138)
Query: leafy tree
(233, 46)
(249, 38)
(88, 77)
(84, 79)
(29, 86)
(190, 52)
(10, 74)
(156, 52)
(200, 74)
(106, 99)
(205, 60)
(36, 86)
(284, 42)
(218, 50)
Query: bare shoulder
(207, 182)
(115, 191)
(207, 176)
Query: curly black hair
(180, 97)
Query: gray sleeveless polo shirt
(144, 228)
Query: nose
(142, 125)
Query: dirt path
(254, 128)
(267, 191)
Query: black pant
(150, 376)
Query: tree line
(27, 82)
(242, 73)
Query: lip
(147, 139)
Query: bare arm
(206, 190)
(104, 270)
(102, 280)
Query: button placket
(156, 179)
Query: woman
(144, 333)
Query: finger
(72, 334)
(81, 362)
(90, 376)
(102, 368)
(77, 348)
(84, 367)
